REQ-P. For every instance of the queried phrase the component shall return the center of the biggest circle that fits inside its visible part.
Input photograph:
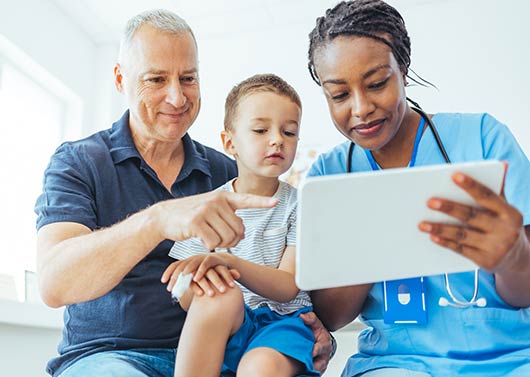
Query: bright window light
(33, 117)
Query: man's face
(159, 76)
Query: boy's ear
(228, 145)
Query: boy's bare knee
(264, 362)
(226, 304)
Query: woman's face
(365, 89)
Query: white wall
(475, 51)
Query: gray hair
(161, 19)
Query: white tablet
(363, 227)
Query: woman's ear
(228, 144)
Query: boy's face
(264, 134)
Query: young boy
(254, 324)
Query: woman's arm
(512, 276)
(336, 307)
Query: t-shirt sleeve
(315, 169)
(67, 192)
(499, 143)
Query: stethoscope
(443, 301)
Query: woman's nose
(361, 105)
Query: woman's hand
(490, 229)
(209, 271)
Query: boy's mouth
(275, 156)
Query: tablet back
(363, 227)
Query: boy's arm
(273, 283)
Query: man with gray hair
(113, 204)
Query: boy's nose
(276, 138)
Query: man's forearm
(75, 264)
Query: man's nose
(175, 96)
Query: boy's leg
(209, 324)
(282, 341)
(267, 362)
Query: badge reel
(404, 301)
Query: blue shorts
(262, 327)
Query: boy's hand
(210, 270)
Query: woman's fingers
(483, 195)
(474, 217)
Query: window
(35, 110)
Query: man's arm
(75, 264)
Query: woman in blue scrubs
(476, 323)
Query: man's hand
(210, 217)
(323, 348)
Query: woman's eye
(338, 97)
(378, 84)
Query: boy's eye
(259, 130)
(289, 133)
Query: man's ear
(228, 145)
(118, 78)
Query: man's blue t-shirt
(97, 182)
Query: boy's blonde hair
(267, 82)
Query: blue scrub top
(492, 341)
(97, 182)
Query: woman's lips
(369, 129)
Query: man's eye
(155, 80)
(189, 79)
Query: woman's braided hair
(365, 18)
